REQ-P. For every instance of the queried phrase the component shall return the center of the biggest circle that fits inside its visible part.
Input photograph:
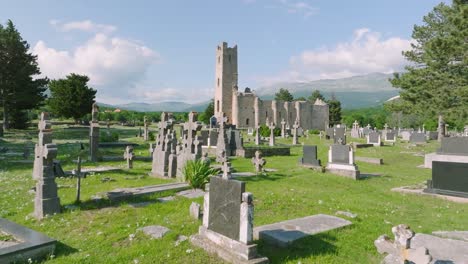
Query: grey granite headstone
(417, 138)
(310, 156)
(449, 178)
(339, 132)
(454, 146)
(374, 137)
(224, 206)
(330, 132)
(205, 134)
(340, 154)
(390, 136)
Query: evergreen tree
(284, 95)
(316, 95)
(208, 113)
(302, 98)
(334, 106)
(71, 97)
(20, 90)
(436, 83)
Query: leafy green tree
(302, 98)
(334, 106)
(208, 113)
(284, 95)
(436, 83)
(316, 95)
(71, 97)
(20, 89)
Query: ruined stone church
(246, 110)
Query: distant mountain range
(353, 92)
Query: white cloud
(193, 95)
(85, 25)
(114, 65)
(365, 53)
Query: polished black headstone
(225, 201)
(449, 178)
(340, 154)
(454, 146)
(417, 138)
(310, 156)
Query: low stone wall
(249, 152)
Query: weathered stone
(454, 146)
(284, 233)
(128, 155)
(457, 235)
(341, 161)
(191, 194)
(154, 231)
(442, 249)
(374, 139)
(225, 200)
(166, 143)
(94, 134)
(417, 138)
(258, 161)
(195, 210)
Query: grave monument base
(228, 249)
(429, 158)
(346, 170)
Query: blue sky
(151, 51)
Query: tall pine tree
(436, 82)
(19, 89)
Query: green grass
(103, 232)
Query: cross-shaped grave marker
(128, 155)
(272, 134)
(283, 128)
(258, 161)
(295, 127)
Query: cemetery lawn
(105, 232)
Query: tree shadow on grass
(263, 177)
(312, 245)
(62, 249)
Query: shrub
(151, 136)
(108, 137)
(314, 132)
(265, 131)
(197, 173)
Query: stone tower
(225, 81)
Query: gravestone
(374, 139)
(223, 144)
(145, 129)
(191, 145)
(46, 201)
(329, 133)
(432, 135)
(258, 161)
(204, 135)
(250, 131)
(128, 155)
(452, 149)
(94, 134)
(454, 146)
(417, 138)
(257, 136)
(390, 137)
(405, 135)
(166, 144)
(449, 178)
(283, 128)
(310, 158)
(295, 132)
(227, 228)
(213, 138)
(355, 131)
(341, 161)
(300, 132)
(339, 132)
(272, 126)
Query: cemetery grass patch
(105, 232)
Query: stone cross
(320, 135)
(283, 128)
(386, 127)
(246, 218)
(77, 173)
(355, 124)
(368, 126)
(145, 129)
(94, 134)
(226, 166)
(295, 127)
(151, 149)
(128, 155)
(257, 136)
(258, 161)
(424, 128)
(46, 201)
(272, 134)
